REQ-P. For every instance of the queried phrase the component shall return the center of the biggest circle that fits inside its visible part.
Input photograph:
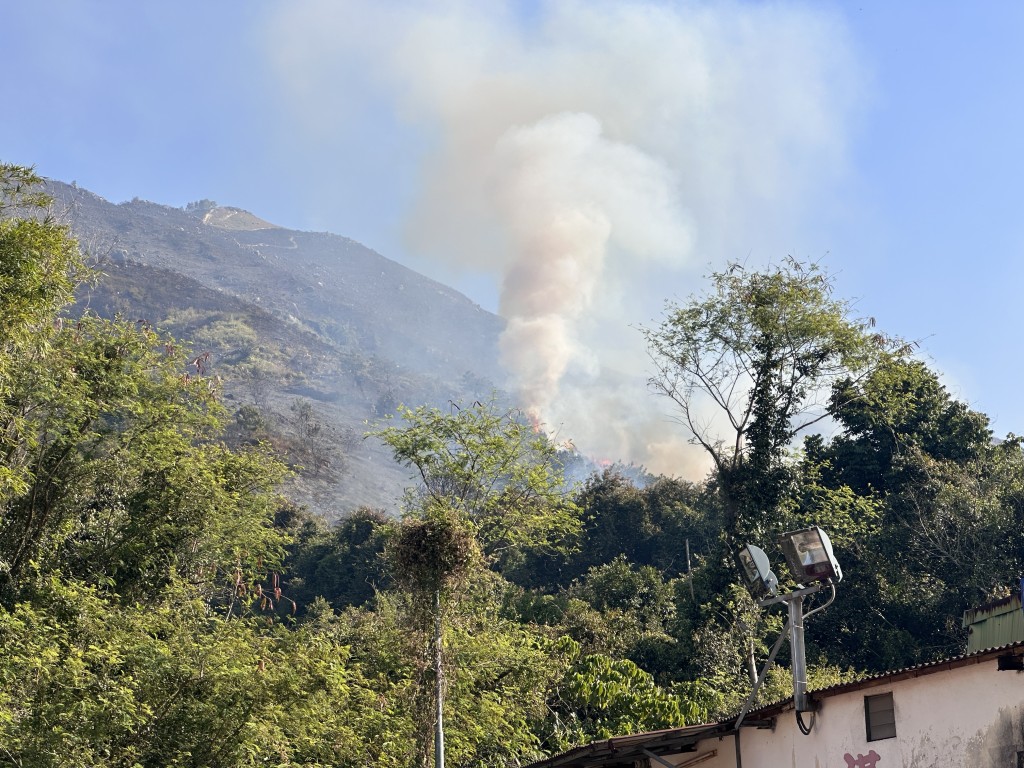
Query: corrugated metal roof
(993, 607)
(883, 678)
(995, 623)
(927, 668)
(625, 750)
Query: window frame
(879, 731)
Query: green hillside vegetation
(290, 323)
(163, 602)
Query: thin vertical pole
(689, 572)
(439, 686)
(798, 653)
(761, 677)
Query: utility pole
(438, 686)
(689, 572)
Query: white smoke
(566, 196)
(595, 157)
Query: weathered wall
(970, 717)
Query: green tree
(750, 365)
(949, 538)
(647, 525)
(600, 697)
(488, 483)
(920, 505)
(343, 563)
(899, 408)
(111, 466)
(122, 476)
(491, 469)
(136, 548)
(619, 585)
(87, 681)
(432, 556)
(39, 268)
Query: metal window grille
(880, 717)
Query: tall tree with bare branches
(750, 364)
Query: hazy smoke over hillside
(565, 195)
(595, 158)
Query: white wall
(970, 717)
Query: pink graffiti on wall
(870, 760)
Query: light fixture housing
(809, 556)
(757, 571)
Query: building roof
(624, 750)
(995, 623)
(892, 676)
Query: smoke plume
(566, 195)
(594, 158)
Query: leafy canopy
(490, 469)
(750, 364)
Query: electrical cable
(826, 605)
(805, 729)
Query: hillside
(312, 333)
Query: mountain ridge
(320, 333)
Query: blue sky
(657, 139)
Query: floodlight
(757, 571)
(809, 555)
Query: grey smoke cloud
(596, 158)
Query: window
(880, 717)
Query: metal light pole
(809, 555)
(794, 632)
(798, 658)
